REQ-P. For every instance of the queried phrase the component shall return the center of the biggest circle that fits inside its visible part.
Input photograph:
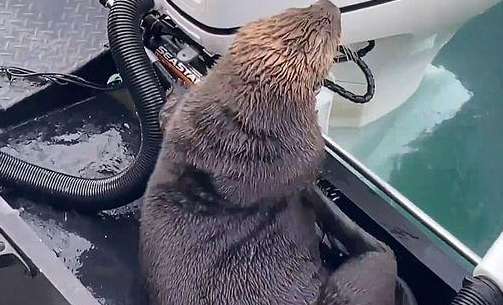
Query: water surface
(443, 148)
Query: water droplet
(58, 251)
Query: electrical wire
(62, 79)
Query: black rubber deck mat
(94, 138)
(47, 36)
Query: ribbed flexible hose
(478, 291)
(91, 195)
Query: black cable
(358, 99)
(357, 58)
(61, 79)
(360, 53)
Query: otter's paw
(167, 110)
(368, 279)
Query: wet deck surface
(95, 138)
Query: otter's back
(203, 251)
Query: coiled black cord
(360, 53)
(369, 77)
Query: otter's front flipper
(369, 276)
(367, 279)
(337, 224)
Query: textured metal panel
(47, 36)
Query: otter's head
(291, 52)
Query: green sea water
(443, 148)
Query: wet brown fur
(258, 105)
(223, 221)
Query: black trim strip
(209, 29)
(231, 31)
(362, 5)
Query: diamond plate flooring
(47, 36)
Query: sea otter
(224, 219)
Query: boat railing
(404, 203)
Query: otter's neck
(269, 106)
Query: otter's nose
(328, 6)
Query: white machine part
(491, 265)
(408, 35)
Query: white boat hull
(408, 35)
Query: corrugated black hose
(478, 291)
(90, 195)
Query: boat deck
(48, 36)
(100, 250)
